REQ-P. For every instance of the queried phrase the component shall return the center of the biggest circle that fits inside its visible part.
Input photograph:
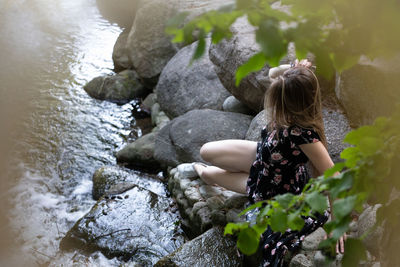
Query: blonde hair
(294, 98)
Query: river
(54, 136)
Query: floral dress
(279, 168)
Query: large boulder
(210, 249)
(120, 88)
(150, 48)
(228, 55)
(182, 88)
(135, 224)
(180, 140)
(369, 89)
(120, 54)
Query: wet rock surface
(210, 249)
(120, 88)
(140, 152)
(179, 82)
(180, 140)
(115, 179)
(134, 224)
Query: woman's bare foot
(199, 167)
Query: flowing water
(49, 50)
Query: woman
(277, 164)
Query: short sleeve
(300, 136)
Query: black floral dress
(280, 168)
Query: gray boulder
(150, 48)
(135, 224)
(365, 223)
(120, 88)
(368, 90)
(140, 152)
(181, 139)
(228, 55)
(120, 54)
(115, 180)
(182, 88)
(210, 249)
(231, 104)
(256, 125)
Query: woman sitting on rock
(277, 164)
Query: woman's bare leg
(234, 181)
(231, 155)
(232, 160)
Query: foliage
(337, 32)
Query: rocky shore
(135, 218)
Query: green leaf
(251, 207)
(295, 222)
(343, 207)
(200, 49)
(248, 241)
(231, 228)
(341, 228)
(354, 252)
(336, 168)
(344, 182)
(273, 45)
(370, 145)
(317, 201)
(278, 221)
(351, 155)
(284, 200)
(255, 63)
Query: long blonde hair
(294, 98)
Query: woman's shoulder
(302, 135)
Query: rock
(120, 53)
(367, 90)
(208, 191)
(140, 152)
(236, 201)
(149, 47)
(365, 223)
(259, 121)
(183, 87)
(131, 225)
(300, 260)
(114, 180)
(180, 140)
(312, 241)
(321, 260)
(336, 127)
(228, 55)
(231, 104)
(193, 195)
(149, 101)
(210, 249)
(120, 88)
